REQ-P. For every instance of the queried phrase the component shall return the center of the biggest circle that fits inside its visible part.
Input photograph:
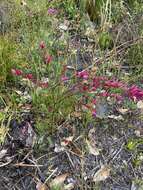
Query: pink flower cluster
(89, 87)
(18, 72)
(42, 45)
(104, 87)
(113, 84)
(83, 74)
(64, 78)
(52, 11)
(135, 92)
(97, 82)
(29, 76)
(47, 58)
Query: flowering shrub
(83, 88)
(51, 80)
(55, 90)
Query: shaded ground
(61, 156)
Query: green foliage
(4, 126)
(102, 11)
(54, 105)
(135, 5)
(118, 12)
(70, 8)
(93, 9)
(57, 187)
(135, 55)
(105, 41)
(138, 160)
(134, 59)
(67, 8)
(139, 183)
(134, 143)
(8, 57)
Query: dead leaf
(118, 118)
(58, 148)
(67, 140)
(138, 133)
(102, 108)
(41, 186)
(102, 174)
(64, 26)
(20, 93)
(26, 107)
(92, 148)
(109, 73)
(69, 186)
(94, 69)
(2, 78)
(3, 153)
(3, 133)
(84, 108)
(23, 3)
(77, 114)
(90, 32)
(140, 105)
(59, 180)
(92, 133)
(123, 110)
(31, 139)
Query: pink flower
(48, 59)
(52, 11)
(104, 94)
(96, 83)
(113, 84)
(93, 89)
(43, 84)
(85, 88)
(93, 113)
(29, 76)
(16, 72)
(42, 45)
(94, 101)
(64, 78)
(135, 92)
(83, 74)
